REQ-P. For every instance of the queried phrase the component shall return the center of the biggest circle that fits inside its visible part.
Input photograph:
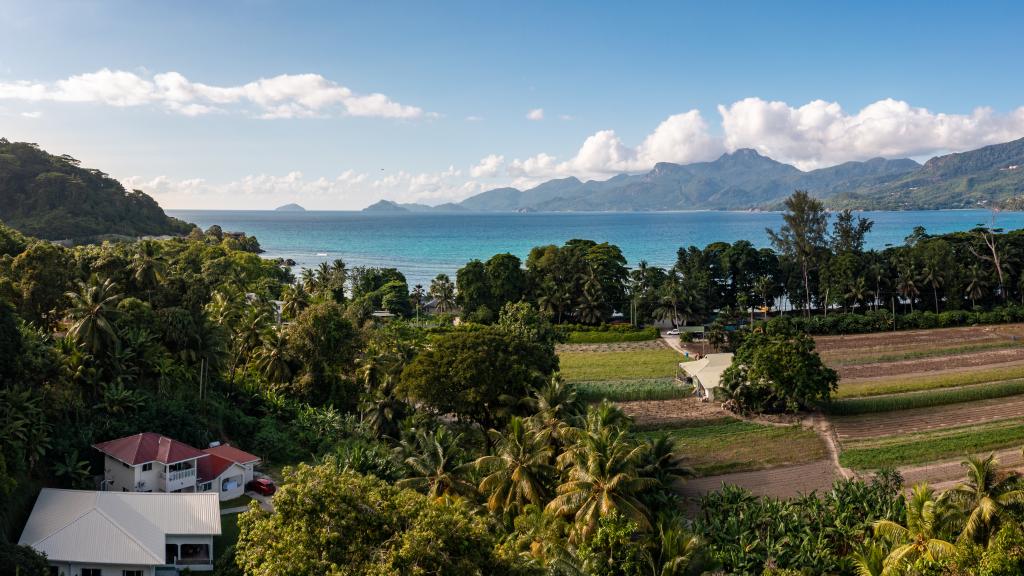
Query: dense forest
(53, 197)
(474, 455)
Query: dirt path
(927, 419)
(785, 482)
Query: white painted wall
(118, 475)
(73, 569)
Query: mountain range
(745, 179)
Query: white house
(706, 373)
(150, 462)
(87, 533)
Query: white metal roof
(708, 370)
(116, 527)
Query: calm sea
(423, 245)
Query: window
(131, 572)
(92, 572)
(147, 467)
(171, 553)
(54, 571)
(206, 486)
(122, 490)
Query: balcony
(178, 479)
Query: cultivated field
(607, 362)
(924, 396)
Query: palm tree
(296, 299)
(661, 462)
(224, 308)
(382, 410)
(919, 539)
(601, 479)
(857, 292)
(73, 470)
(553, 299)
(680, 551)
(932, 275)
(975, 284)
(764, 285)
(442, 290)
(435, 465)
(148, 266)
(308, 280)
(248, 334)
(869, 558)
(272, 357)
(590, 309)
(418, 296)
(518, 468)
(984, 497)
(906, 284)
(91, 313)
(877, 272)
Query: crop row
(630, 390)
(925, 399)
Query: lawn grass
(727, 445)
(919, 354)
(928, 381)
(619, 365)
(906, 449)
(242, 500)
(228, 534)
(629, 390)
(926, 398)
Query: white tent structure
(706, 373)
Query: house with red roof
(150, 462)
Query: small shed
(706, 373)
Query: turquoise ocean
(422, 245)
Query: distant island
(386, 206)
(290, 208)
(55, 198)
(746, 179)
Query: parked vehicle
(673, 332)
(264, 486)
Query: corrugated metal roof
(231, 453)
(708, 370)
(116, 527)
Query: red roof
(212, 467)
(233, 454)
(148, 447)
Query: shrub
(607, 336)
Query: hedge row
(607, 336)
(882, 320)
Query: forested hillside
(53, 197)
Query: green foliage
(470, 373)
(778, 370)
(22, 560)
(374, 528)
(629, 390)
(613, 550)
(619, 365)
(606, 334)
(908, 449)
(748, 534)
(939, 397)
(53, 197)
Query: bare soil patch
(664, 413)
(935, 364)
(890, 342)
(785, 482)
(926, 419)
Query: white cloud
(32, 115)
(283, 96)
(488, 167)
(474, 118)
(565, 117)
(535, 114)
(821, 133)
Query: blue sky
(167, 96)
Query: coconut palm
(442, 290)
(91, 313)
(920, 538)
(224, 308)
(680, 551)
(418, 297)
(869, 558)
(906, 284)
(435, 465)
(601, 479)
(764, 286)
(556, 407)
(590, 309)
(148, 266)
(296, 299)
(984, 497)
(933, 276)
(553, 299)
(975, 284)
(857, 291)
(383, 411)
(517, 469)
(272, 356)
(661, 463)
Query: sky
(335, 105)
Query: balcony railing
(177, 475)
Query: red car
(264, 486)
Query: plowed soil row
(927, 419)
(613, 346)
(937, 364)
(884, 342)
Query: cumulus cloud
(821, 133)
(535, 114)
(283, 96)
(488, 167)
(350, 189)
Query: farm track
(880, 424)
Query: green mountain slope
(52, 197)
